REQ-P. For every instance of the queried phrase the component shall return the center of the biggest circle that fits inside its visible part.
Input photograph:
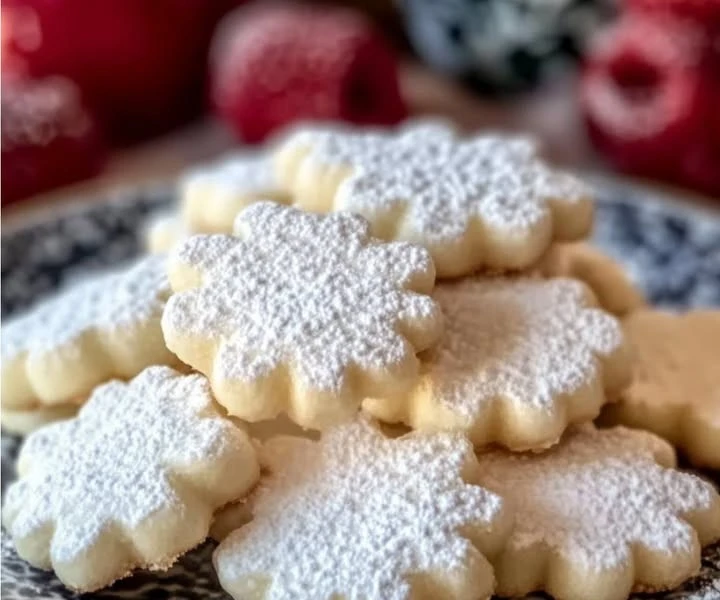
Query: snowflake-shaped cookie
(600, 514)
(675, 390)
(613, 288)
(163, 230)
(132, 481)
(212, 196)
(485, 201)
(358, 515)
(301, 313)
(107, 326)
(520, 359)
(23, 422)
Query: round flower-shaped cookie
(163, 230)
(23, 422)
(675, 390)
(232, 516)
(107, 326)
(359, 515)
(610, 284)
(521, 358)
(599, 515)
(132, 481)
(212, 196)
(485, 201)
(300, 313)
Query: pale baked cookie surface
(300, 313)
(599, 515)
(163, 230)
(132, 481)
(232, 516)
(212, 196)
(675, 390)
(229, 518)
(611, 285)
(107, 326)
(23, 422)
(358, 515)
(521, 358)
(483, 201)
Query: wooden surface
(549, 113)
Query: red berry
(48, 137)
(643, 95)
(140, 64)
(271, 66)
(703, 13)
(700, 169)
(700, 165)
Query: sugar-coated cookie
(300, 313)
(521, 358)
(359, 515)
(163, 231)
(232, 516)
(482, 201)
(675, 390)
(280, 425)
(22, 422)
(605, 277)
(107, 326)
(599, 515)
(229, 518)
(212, 196)
(131, 482)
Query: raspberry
(700, 169)
(643, 95)
(273, 65)
(48, 137)
(140, 64)
(700, 165)
(703, 13)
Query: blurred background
(101, 94)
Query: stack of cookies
(379, 385)
(212, 196)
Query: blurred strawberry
(48, 137)
(274, 65)
(140, 64)
(644, 98)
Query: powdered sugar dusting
(114, 463)
(356, 514)
(596, 495)
(112, 301)
(442, 183)
(518, 340)
(312, 291)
